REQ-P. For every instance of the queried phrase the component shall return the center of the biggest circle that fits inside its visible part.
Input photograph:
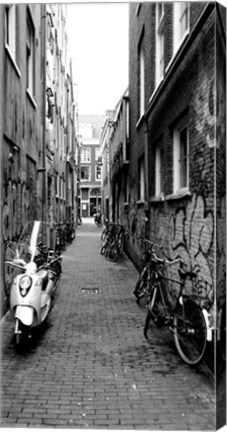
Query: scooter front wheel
(18, 340)
(18, 334)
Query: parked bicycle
(61, 237)
(146, 278)
(186, 318)
(112, 241)
(70, 232)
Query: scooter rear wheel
(18, 340)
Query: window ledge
(31, 98)
(178, 195)
(184, 37)
(140, 121)
(157, 199)
(126, 204)
(158, 85)
(141, 203)
(7, 48)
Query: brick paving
(90, 366)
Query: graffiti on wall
(204, 106)
(188, 233)
(210, 109)
(221, 252)
(15, 209)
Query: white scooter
(35, 276)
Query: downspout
(73, 154)
(146, 157)
(2, 62)
(44, 179)
(67, 169)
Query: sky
(98, 46)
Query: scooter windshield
(34, 235)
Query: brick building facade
(37, 123)
(177, 134)
(114, 146)
(90, 196)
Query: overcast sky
(98, 43)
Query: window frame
(88, 167)
(141, 80)
(98, 167)
(11, 29)
(160, 38)
(159, 169)
(30, 54)
(85, 156)
(141, 179)
(97, 153)
(177, 162)
(178, 14)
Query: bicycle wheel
(156, 306)
(155, 310)
(141, 284)
(223, 334)
(149, 311)
(190, 333)
(104, 233)
(112, 253)
(103, 249)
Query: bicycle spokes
(190, 333)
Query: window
(30, 55)
(97, 153)
(141, 82)
(181, 157)
(141, 184)
(85, 173)
(159, 169)
(86, 154)
(11, 29)
(98, 172)
(181, 22)
(159, 42)
(160, 11)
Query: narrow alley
(91, 367)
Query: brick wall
(184, 226)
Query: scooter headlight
(25, 284)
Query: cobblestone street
(91, 367)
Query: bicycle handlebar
(183, 273)
(166, 261)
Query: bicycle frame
(180, 300)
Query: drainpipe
(44, 179)
(73, 154)
(67, 168)
(2, 62)
(146, 210)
